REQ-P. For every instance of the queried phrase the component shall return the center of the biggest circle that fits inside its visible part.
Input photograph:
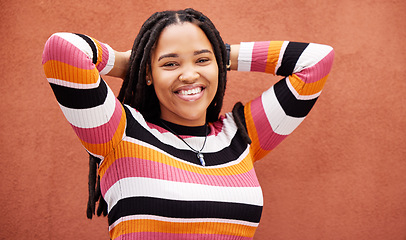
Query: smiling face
(184, 74)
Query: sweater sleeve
(305, 67)
(73, 65)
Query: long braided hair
(136, 93)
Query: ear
(149, 81)
(148, 76)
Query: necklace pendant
(200, 156)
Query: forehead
(182, 38)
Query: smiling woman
(169, 166)
(184, 74)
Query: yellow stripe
(99, 51)
(69, 73)
(146, 225)
(132, 150)
(252, 133)
(273, 56)
(307, 88)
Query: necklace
(199, 153)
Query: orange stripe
(99, 51)
(66, 72)
(132, 150)
(106, 148)
(147, 225)
(307, 88)
(273, 56)
(252, 133)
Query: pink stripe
(318, 71)
(268, 139)
(173, 236)
(103, 133)
(105, 57)
(59, 49)
(163, 130)
(135, 167)
(259, 56)
(217, 127)
(154, 126)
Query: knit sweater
(153, 183)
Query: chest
(147, 187)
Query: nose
(189, 76)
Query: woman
(170, 167)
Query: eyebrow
(174, 55)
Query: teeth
(190, 91)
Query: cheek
(161, 80)
(161, 90)
(215, 76)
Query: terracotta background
(341, 175)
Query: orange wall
(341, 175)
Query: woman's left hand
(121, 64)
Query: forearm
(284, 58)
(234, 51)
(121, 64)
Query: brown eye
(202, 60)
(170, 64)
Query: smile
(190, 91)
(190, 95)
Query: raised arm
(278, 111)
(73, 65)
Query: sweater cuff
(245, 56)
(109, 61)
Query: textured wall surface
(340, 175)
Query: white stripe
(281, 123)
(225, 136)
(152, 147)
(110, 62)
(97, 156)
(164, 189)
(313, 54)
(74, 85)
(181, 220)
(245, 56)
(92, 117)
(296, 94)
(281, 53)
(78, 42)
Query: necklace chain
(199, 153)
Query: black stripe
(183, 130)
(184, 209)
(290, 104)
(240, 112)
(230, 153)
(290, 57)
(91, 44)
(80, 98)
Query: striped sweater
(154, 185)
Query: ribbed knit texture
(153, 182)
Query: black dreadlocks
(136, 93)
